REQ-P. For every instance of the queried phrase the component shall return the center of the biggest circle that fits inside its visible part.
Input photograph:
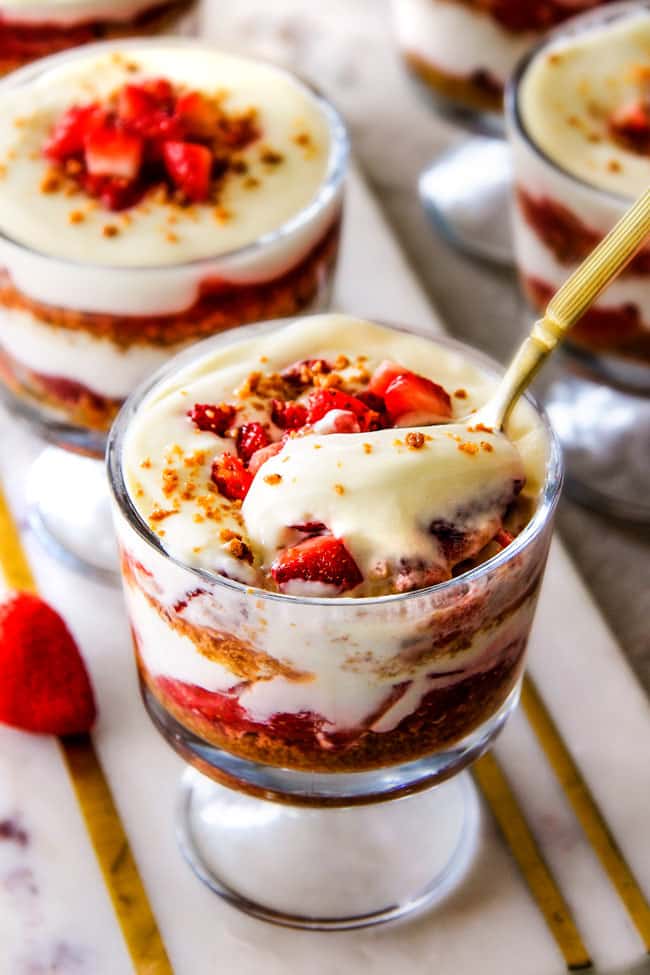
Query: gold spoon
(575, 296)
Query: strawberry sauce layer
(518, 16)
(620, 329)
(565, 235)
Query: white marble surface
(54, 913)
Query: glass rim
(337, 164)
(543, 513)
(512, 107)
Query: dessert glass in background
(32, 29)
(460, 53)
(579, 128)
(96, 294)
(312, 709)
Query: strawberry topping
(231, 477)
(320, 559)
(630, 125)
(149, 135)
(261, 456)
(45, 686)
(321, 401)
(288, 416)
(211, 418)
(413, 399)
(251, 437)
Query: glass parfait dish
(32, 31)
(460, 54)
(100, 297)
(576, 172)
(301, 716)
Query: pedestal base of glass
(466, 192)
(69, 512)
(328, 868)
(600, 408)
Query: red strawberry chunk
(251, 437)
(189, 166)
(68, 135)
(211, 418)
(288, 416)
(115, 192)
(261, 456)
(231, 477)
(503, 538)
(321, 559)
(321, 401)
(383, 376)
(300, 372)
(337, 421)
(110, 151)
(198, 116)
(631, 125)
(45, 686)
(416, 399)
(144, 111)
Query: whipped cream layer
(372, 486)
(70, 12)
(570, 92)
(154, 234)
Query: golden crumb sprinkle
(487, 447)
(222, 215)
(339, 489)
(480, 428)
(460, 394)
(251, 183)
(317, 446)
(227, 534)
(614, 166)
(264, 358)
(197, 548)
(110, 230)
(341, 362)
(240, 550)
(171, 237)
(302, 139)
(198, 518)
(273, 478)
(146, 463)
(76, 216)
(50, 183)
(415, 440)
(367, 448)
(271, 157)
(158, 514)
(468, 448)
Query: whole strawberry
(44, 685)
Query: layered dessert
(320, 548)
(31, 29)
(151, 194)
(465, 50)
(580, 130)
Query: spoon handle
(568, 304)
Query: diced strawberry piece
(211, 418)
(114, 192)
(299, 373)
(251, 437)
(383, 376)
(261, 456)
(142, 111)
(631, 125)
(231, 477)
(198, 115)
(503, 538)
(417, 398)
(319, 559)
(321, 401)
(189, 166)
(288, 416)
(110, 151)
(337, 421)
(68, 135)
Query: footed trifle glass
(460, 54)
(325, 734)
(579, 162)
(106, 275)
